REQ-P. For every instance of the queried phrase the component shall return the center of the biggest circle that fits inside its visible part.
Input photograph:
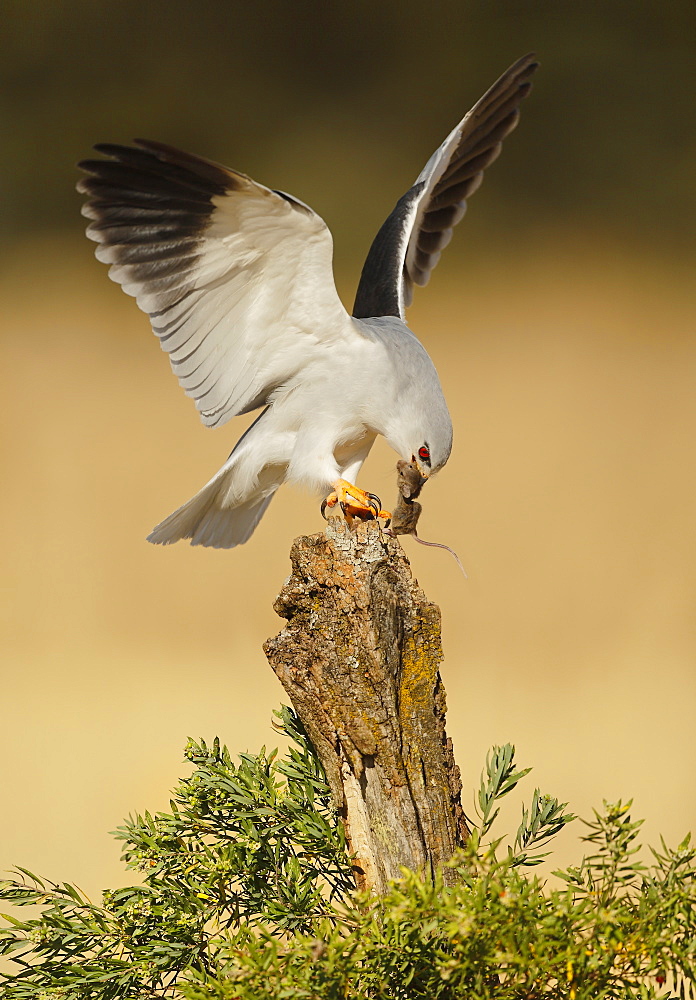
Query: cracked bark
(359, 660)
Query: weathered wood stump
(359, 660)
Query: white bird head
(427, 443)
(419, 428)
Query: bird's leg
(354, 502)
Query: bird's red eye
(424, 453)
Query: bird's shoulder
(392, 334)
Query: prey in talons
(354, 503)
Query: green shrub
(248, 893)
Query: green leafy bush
(248, 893)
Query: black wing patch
(378, 291)
(408, 245)
(149, 208)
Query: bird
(238, 283)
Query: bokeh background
(561, 319)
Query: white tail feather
(206, 521)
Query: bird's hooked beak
(418, 468)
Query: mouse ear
(409, 480)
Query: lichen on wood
(359, 659)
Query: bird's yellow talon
(354, 502)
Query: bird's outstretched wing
(237, 279)
(408, 245)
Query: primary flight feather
(237, 280)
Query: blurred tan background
(561, 320)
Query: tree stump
(359, 660)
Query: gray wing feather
(408, 245)
(236, 278)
